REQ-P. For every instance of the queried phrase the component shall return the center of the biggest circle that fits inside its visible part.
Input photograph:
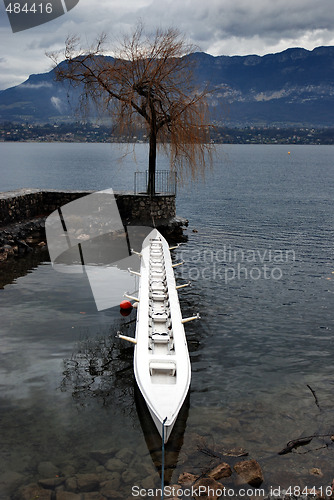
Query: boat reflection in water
(153, 437)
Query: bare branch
(148, 83)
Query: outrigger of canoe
(161, 359)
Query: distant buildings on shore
(78, 132)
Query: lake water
(260, 258)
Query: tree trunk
(152, 163)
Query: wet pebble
(52, 482)
(87, 482)
(176, 492)
(71, 484)
(100, 470)
(115, 464)
(125, 455)
(102, 456)
(68, 470)
(47, 469)
(108, 490)
(149, 481)
(113, 481)
(129, 477)
(315, 471)
(221, 470)
(187, 479)
(210, 486)
(95, 495)
(31, 491)
(67, 495)
(10, 479)
(249, 471)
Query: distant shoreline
(92, 133)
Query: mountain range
(293, 87)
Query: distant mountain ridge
(293, 87)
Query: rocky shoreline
(17, 240)
(121, 474)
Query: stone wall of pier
(23, 213)
(25, 204)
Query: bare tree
(148, 84)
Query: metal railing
(165, 182)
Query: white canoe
(161, 359)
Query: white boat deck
(161, 359)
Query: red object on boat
(125, 304)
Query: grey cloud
(263, 18)
(36, 85)
(216, 26)
(207, 23)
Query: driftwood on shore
(302, 441)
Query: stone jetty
(23, 213)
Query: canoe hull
(161, 358)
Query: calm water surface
(261, 265)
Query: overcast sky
(219, 27)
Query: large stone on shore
(149, 481)
(187, 479)
(176, 492)
(10, 480)
(109, 488)
(32, 491)
(71, 484)
(125, 455)
(52, 482)
(47, 469)
(130, 476)
(315, 471)
(67, 495)
(207, 488)
(222, 470)
(87, 482)
(102, 456)
(115, 464)
(95, 495)
(250, 472)
(112, 482)
(68, 470)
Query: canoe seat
(161, 338)
(155, 260)
(158, 283)
(163, 368)
(163, 325)
(160, 297)
(159, 290)
(157, 308)
(160, 317)
(155, 267)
